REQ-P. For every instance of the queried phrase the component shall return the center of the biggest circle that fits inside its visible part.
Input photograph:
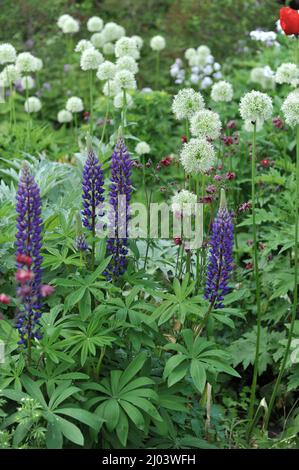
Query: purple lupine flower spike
(29, 244)
(120, 196)
(92, 185)
(221, 256)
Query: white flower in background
(142, 148)
(113, 32)
(287, 73)
(126, 47)
(203, 51)
(70, 26)
(197, 156)
(264, 76)
(206, 124)
(177, 71)
(208, 70)
(206, 83)
(26, 62)
(91, 59)
(138, 40)
(33, 105)
(9, 75)
(106, 71)
(266, 37)
(74, 104)
(27, 82)
(256, 107)
(109, 48)
(98, 40)
(222, 92)
(184, 202)
(83, 45)
(7, 53)
(38, 64)
(111, 88)
(62, 19)
(290, 108)
(191, 52)
(64, 116)
(95, 24)
(217, 67)
(186, 103)
(158, 43)
(125, 80)
(119, 101)
(210, 60)
(127, 63)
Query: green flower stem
(124, 111)
(107, 113)
(157, 70)
(257, 284)
(91, 101)
(295, 296)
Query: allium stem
(107, 113)
(257, 285)
(157, 70)
(91, 101)
(295, 296)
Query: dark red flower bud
(230, 176)
(265, 163)
(177, 241)
(228, 140)
(289, 21)
(231, 124)
(23, 259)
(184, 139)
(4, 299)
(249, 266)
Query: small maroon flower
(211, 189)
(278, 123)
(86, 116)
(158, 167)
(184, 139)
(4, 299)
(270, 257)
(149, 163)
(231, 124)
(244, 207)
(23, 259)
(24, 275)
(265, 163)
(217, 178)
(249, 266)
(228, 140)
(46, 290)
(230, 176)
(249, 242)
(177, 241)
(206, 200)
(220, 167)
(167, 161)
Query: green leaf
(71, 431)
(83, 416)
(172, 363)
(132, 369)
(134, 414)
(198, 375)
(122, 428)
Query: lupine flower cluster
(92, 186)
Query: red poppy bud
(4, 299)
(289, 20)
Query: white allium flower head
(27, 82)
(126, 47)
(184, 202)
(113, 32)
(83, 45)
(26, 62)
(119, 102)
(125, 80)
(191, 52)
(111, 88)
(106, 70)
(186, 103)
(206, 124)
(9, 75)
(138, 40)
(33, 105)
(98, 40)
(95, 24)
(62, 19)
(256, 106)
(142, 148)
(109, 48)
(264, 76)
(206, 83)
(222, 92)
(64, 116)
(197, 156)
(38, 64)
(257, 74)
(70, 26)
(74, 104)
(290, 108)
(7, 53)
(158, 43)
(91, 59)
(127, 63)
(203, 51)
(287, 73)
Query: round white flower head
(287, 73)
(138, 40)
(197, 156)
(290, 108)
(206, 83)
(257, 74)
(125, 80)
(113, 31)
(158, 43)
(26, 62)
(70, 26)
(27, 83)
(64, 116)
(98, 40)
(38, 64)
(91, 59)
(119, 102)
(9, 75)
(95, 24)
(142, 148)
(74, 104)
(83, 45)
(206, 124)
(264, 76)
(222, 92)
(127, 63)
(109, 48)
(111, 88)
(191, 52)
(32, 105)
(184, 202)
(203, 51)
(7, 53)
(256, 106)
(126, 47)
(106, 70)
(186, 103)
(62, 19)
